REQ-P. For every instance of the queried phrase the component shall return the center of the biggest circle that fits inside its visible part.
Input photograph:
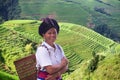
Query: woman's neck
(51, 44)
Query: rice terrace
(92, 55)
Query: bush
(93, 63)
(6, 76)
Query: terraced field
(77, 41)
(82, 12)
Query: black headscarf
(48, 24)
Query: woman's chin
(53, 40)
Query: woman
(51, 61)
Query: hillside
(82, 12)
(19, 38)
(107, 69)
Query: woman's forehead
(52, 29)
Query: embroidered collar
(48, 46)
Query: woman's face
(50, 36)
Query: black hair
(47, 23)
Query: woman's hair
(47, 23)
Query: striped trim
(41, 78)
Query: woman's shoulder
(41, 47)
(59, 47)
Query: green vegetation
(9, 9)
(86, 50)
(15, 22)
(12, 47)
(91, 55)
(89, 13)
(106, 69)
(6, 76)
(61, 9)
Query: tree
(103, 29)
(9, 9)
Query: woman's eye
(49, 33)
(54, 33)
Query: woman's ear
(43, 35)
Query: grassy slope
(75, 34)
(12, 47)
(74, 38)
(107, 69)
(77, 41)
(64, 11)
(74, 11)
(7, 76)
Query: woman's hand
(52, 76)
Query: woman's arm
(64, 69)
(54, 75)
(56, 68)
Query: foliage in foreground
(106, 69)
(6, 76)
